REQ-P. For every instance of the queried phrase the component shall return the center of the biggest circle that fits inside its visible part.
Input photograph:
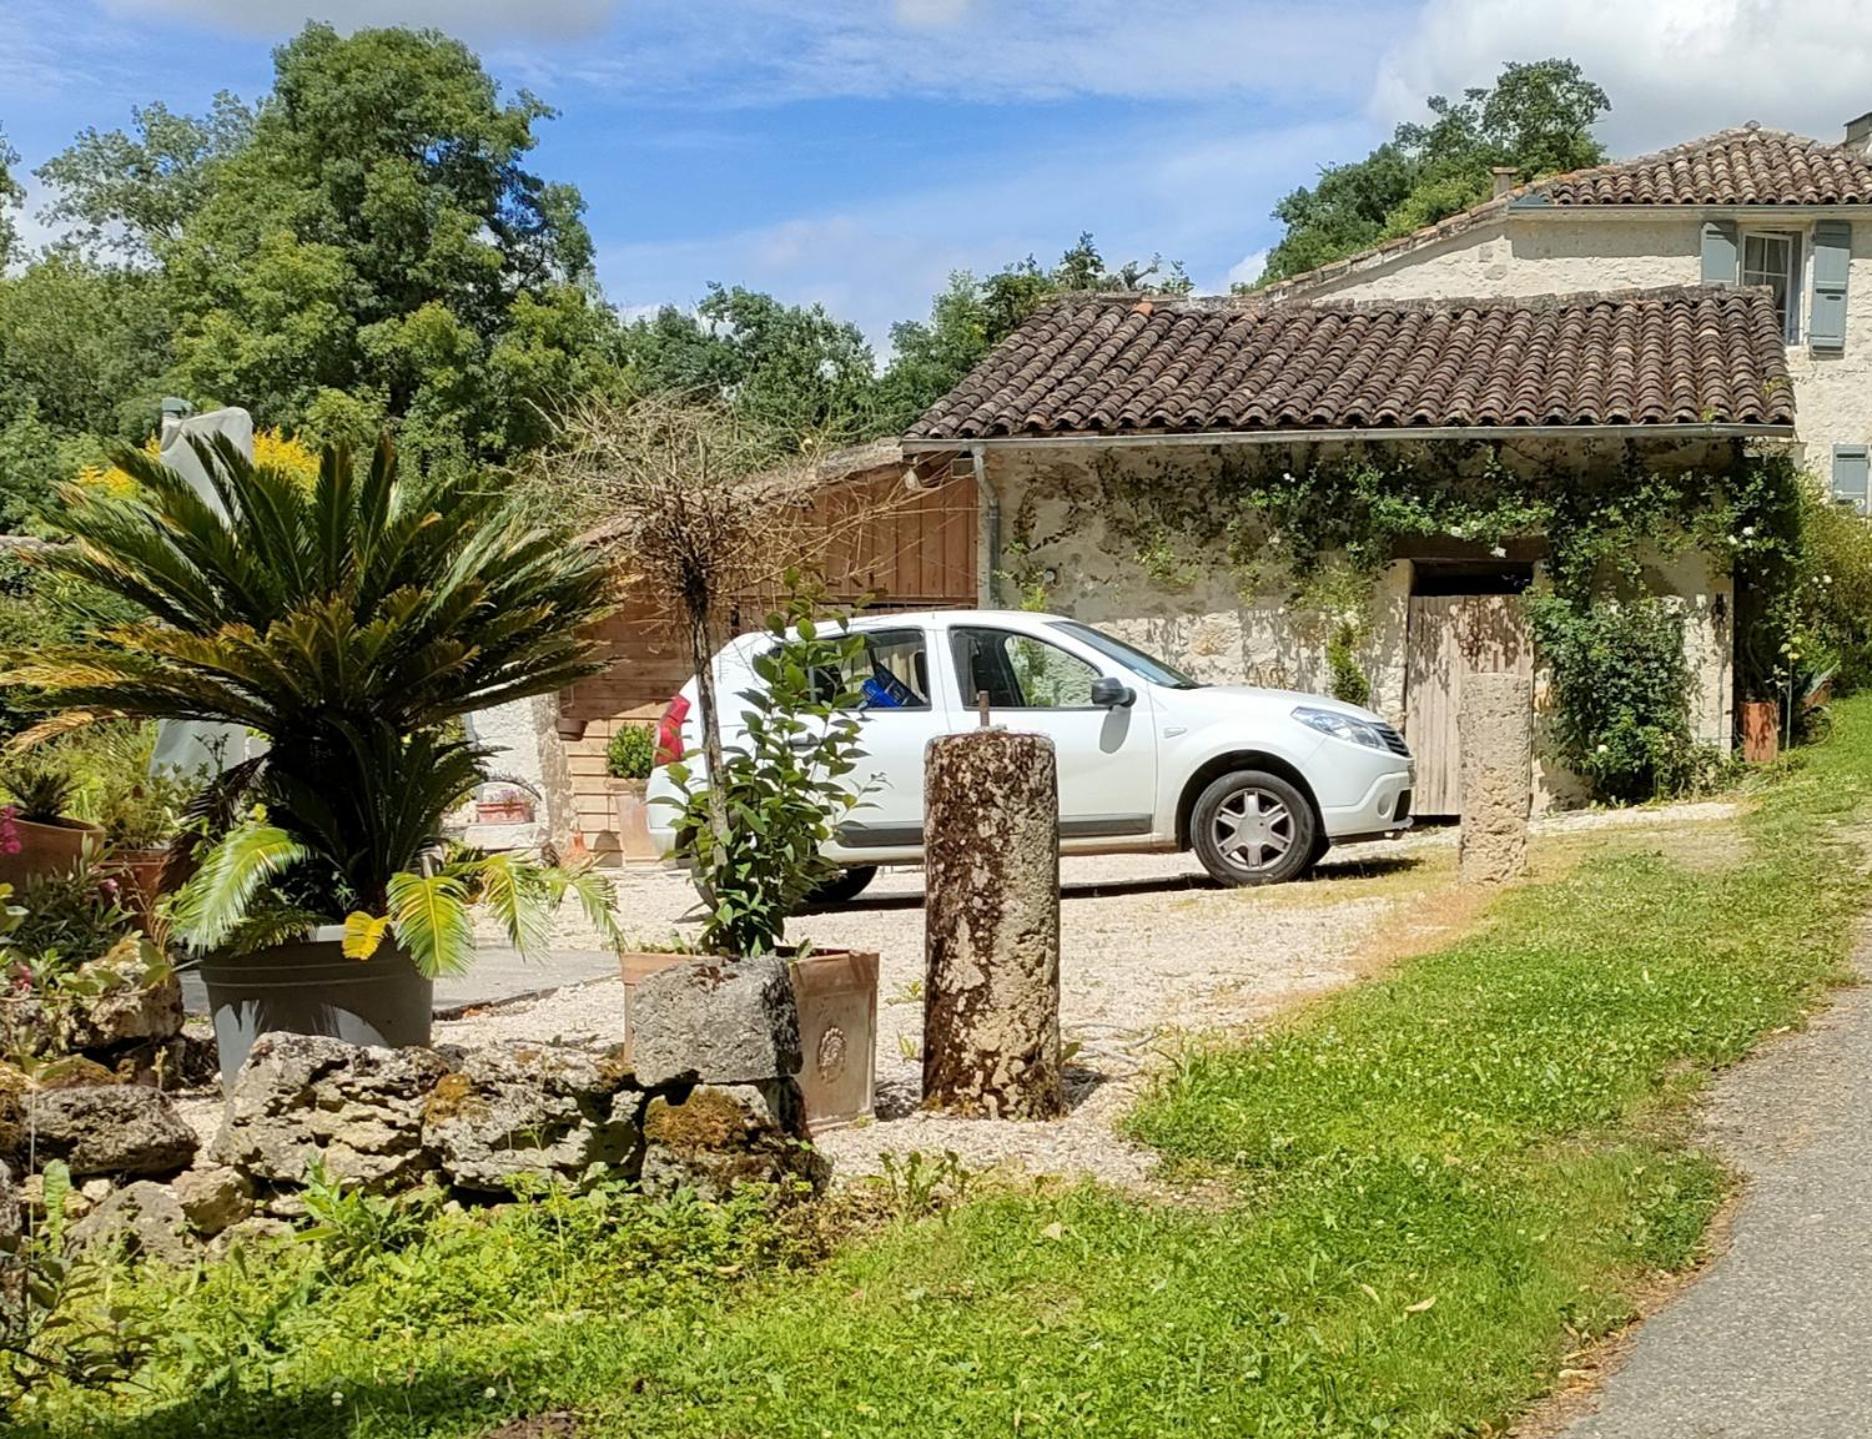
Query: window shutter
(1852, 475)
(1719, 252)
(1832, 257)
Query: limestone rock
(255, 1229)
(1496, 729)
(109, 1129)
(12, 1204)
(128, 1001)
(543, 1111)
(722, 1136)
(718, 1021)
(214, 1198)
(145, 1217)
(991, 992)
(357, 1110)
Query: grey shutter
(1719, 252)
(1852, 475)
(1832, 257)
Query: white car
(1258, 782)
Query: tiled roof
(1748, 165)
(1103, 365)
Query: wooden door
(1451, 636)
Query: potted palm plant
(348, 622)
(39, 837)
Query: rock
(257, 1229)
(717, 1021)
(356, 1110)
(12, 1205)
(13, 1087)
(544, 1111)
(96, 1190)
(78, 1203)
(722, 1136)
(122, 998)
(213, 1199)
(109, 1129)
(991, 994)
(145, 1217)
(1496, 729)
(183, 1061)
(288, 1206)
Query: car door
(1106, 757)
(903, 710)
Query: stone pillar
(1496, 727)
(991, 994)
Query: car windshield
(1153, 670)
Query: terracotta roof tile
(1748, 165)
(1093, 365)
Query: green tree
(1537, 118)
(973, 315)
(10, 196)
(366, 245)
(792, 370)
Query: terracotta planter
(633, 817)
(836, 991)
(310, 987)
(1761, 731)
(48, 848)
(513, 810)
(142, 872)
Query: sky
(855, 152)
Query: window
(1130, 656)
(892, 671)
(1019, 671)
(1773, 258)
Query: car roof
(893, 619)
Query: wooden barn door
(1451, 636)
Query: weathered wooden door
(1451, 636)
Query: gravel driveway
(1152, 954)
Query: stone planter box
(633, 818)
(310, 987)
(836, 991)
(48, 847)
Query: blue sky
(856, 151)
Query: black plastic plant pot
(310, 987)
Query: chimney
(1504, 176)
(1859, 134)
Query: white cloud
(1198, 197)
(761, 51)
(532, 19)
(1247, 269)
(1675, 69)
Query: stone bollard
(991, 1043)
(1496, 728)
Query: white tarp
(188, 745)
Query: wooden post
(991, 994)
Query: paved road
(497, 973)
(1775, 1342)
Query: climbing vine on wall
(1322, 525)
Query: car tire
(844, 886)
(1283, 834)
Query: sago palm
(346, 621)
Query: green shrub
(1621, 693)
(631, 753)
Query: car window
(891, 672)
(1019, 671)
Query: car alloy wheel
(1252, 827)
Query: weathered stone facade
(1497, 776)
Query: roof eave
(1216, 438)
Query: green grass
(1418, 1197)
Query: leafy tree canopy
(793, 370)
(10, 195)
(1537, 118)
(974, 314)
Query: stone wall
(1189, 607)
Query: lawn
(1409, 1206)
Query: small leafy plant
(785, 785)
(631, 753)
(41, 790)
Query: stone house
(1101, 408)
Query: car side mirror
(1111, 694)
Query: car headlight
(1341, 726)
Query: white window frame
(1793, 328)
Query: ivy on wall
(1323, 525)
